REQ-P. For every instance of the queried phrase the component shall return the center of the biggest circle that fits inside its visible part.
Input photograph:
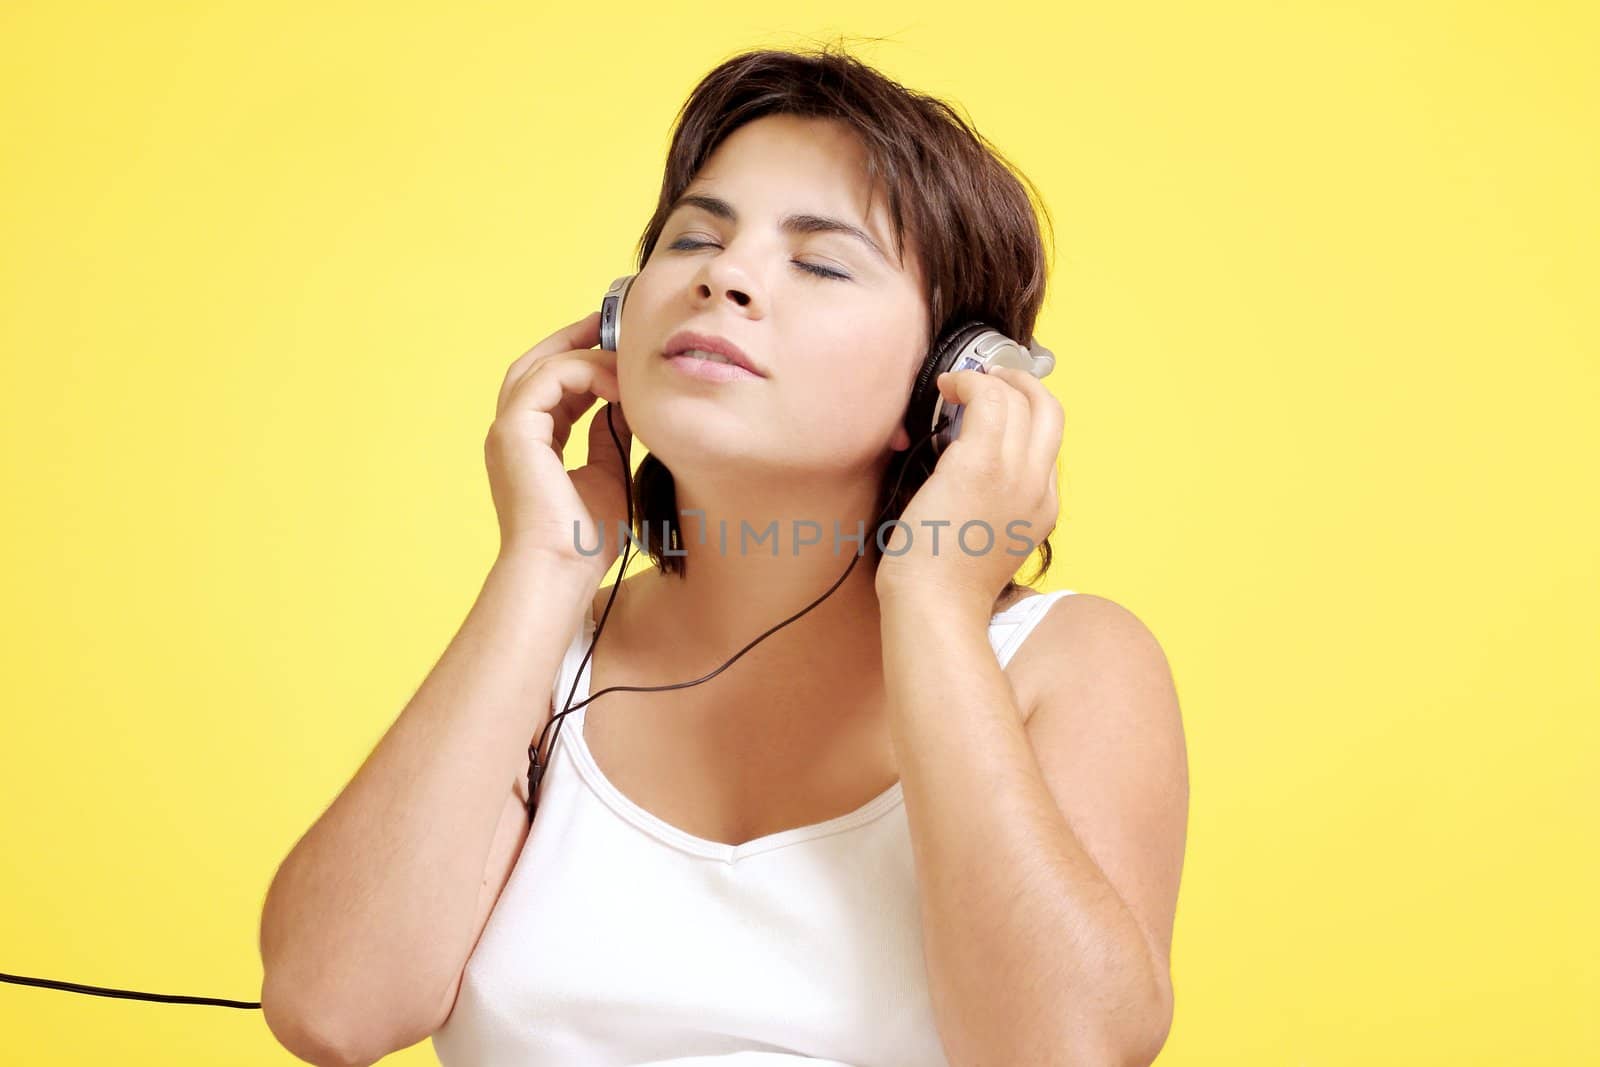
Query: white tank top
(622, 940)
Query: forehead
(795, 163)
(828, 142)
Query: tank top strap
(1011, 627)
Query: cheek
(880, 362)
(861, 398)
(857, 367)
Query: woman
(936, 819)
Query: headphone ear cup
(611, 312)
(925, 392)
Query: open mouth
(709, 366)
(710, 349)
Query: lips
(684, 340)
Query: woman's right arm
(371, 917)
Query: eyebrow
(793, 223)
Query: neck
(747, 565)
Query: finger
(992, 425)
(564, 389)
(600, 429)
(983, 415)
(603, 449)
(546, 384)
(585, 333)
(573, 406)
(575, 403)
(1019, 421)
(1046, 418)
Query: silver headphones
(969, 345)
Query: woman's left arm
(1048, 847)
(1048, 852)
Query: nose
(738, 296)
(724, 278)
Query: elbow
(1135, 1042)
(1154, 1024)
(1144, 1053)
(1161, 1017)
(1151, 1021)
(305, 1035)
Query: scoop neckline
(655, 826)
(577, 747)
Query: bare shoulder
(1083, 637)
(1086, 617)
(1108, 736)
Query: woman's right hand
(543, 508)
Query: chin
(694, 430)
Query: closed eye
(686, 244)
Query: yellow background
(1323, 299)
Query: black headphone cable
(537, 762)
(536, 765)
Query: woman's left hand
(999, 476)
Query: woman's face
(837, 328)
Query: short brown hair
(968, 208)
